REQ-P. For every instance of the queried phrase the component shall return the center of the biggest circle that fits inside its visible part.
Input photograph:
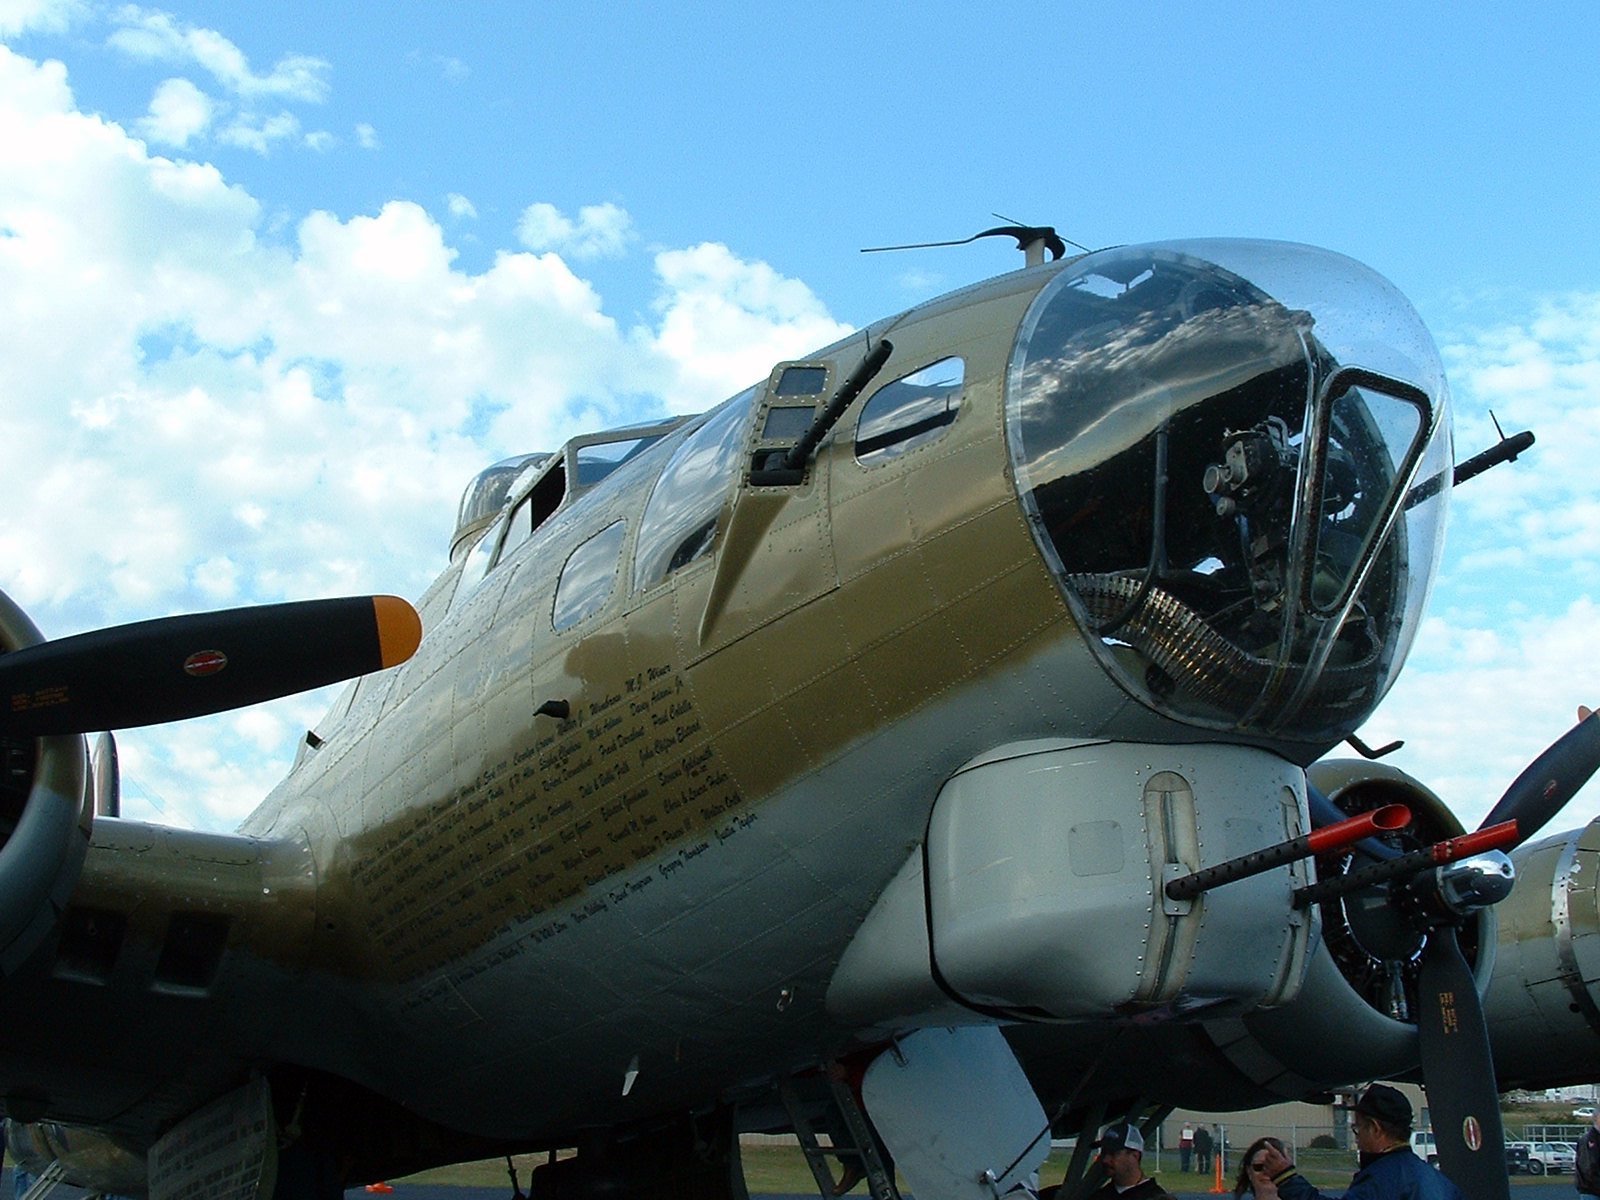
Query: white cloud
(214, 416)
(252, 131)
(39, 16)
(601, 230)
(460, 207)
(366, 137)
(153, 36)
(179, 111)
(723, 322)
(1478, 704)
(1512, 649)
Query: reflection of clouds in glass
(910, 411)
(1101, 393)
(690, 491)
(587, 578)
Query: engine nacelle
(1039, 891)
(1535, 959)
(1354, 1017)
(46, 809)
(1543, 1002)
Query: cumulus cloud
(460, 207)
(601, 230)
(178, 112)
(1478, 704)
(726, 321)
(1498, 672)
(216, 414)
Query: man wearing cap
(1389, 1170)
(1122, 1156)
(1587, 1174)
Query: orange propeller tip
(399, 629)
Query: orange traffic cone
(1216, 1188)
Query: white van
(1424, 1147)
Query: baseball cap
(1384, 1103)
(1124, 1135)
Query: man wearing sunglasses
(1122, 1155)
(1389, 1171)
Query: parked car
(1549, 1158)
(1519, 1155)
(1586, 1111)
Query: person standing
(1185, 1147)
(1253, 1180)
(1586, 1175)
(1122, 1157)
(1389, 1171)
(1202, 1150)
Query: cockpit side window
(588, 577)
(597, 460)
(479, 559)
(912, 411)
(679, 524)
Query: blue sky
(275, 280)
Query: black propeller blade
(189, 666)
(1457, 1063)
(1550, 780)
(1459, 1071)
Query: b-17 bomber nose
(1231, 455)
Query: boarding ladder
(861, 1146)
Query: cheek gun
(1388, 819)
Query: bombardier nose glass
(1235, 456)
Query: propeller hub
(1469, 884)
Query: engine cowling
(1535, 958)
(1354, 1017)
(1543, 1002)
(46, 809)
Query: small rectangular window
(787, 424)
(801, 381)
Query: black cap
(1384, 1103)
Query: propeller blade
(1458, 1071)
(190, 666)
(1552, 779)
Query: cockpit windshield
(1231, 453)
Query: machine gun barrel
(1319, 841)
(1447, 851)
